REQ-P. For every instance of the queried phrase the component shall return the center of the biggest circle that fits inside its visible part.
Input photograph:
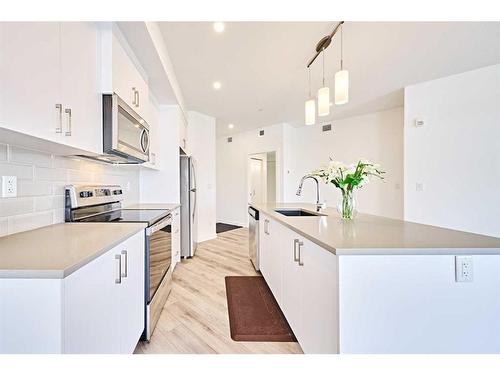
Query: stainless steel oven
(158, 277)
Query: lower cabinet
(303, 279)
(104, 302)
(98, 309)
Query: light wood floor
(195, 318)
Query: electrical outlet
(463, 269)
(9, 186)
(419, 186)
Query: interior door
(256, 181)
(30, 78)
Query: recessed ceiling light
(216, 85)
(230, 126)
(219, 27)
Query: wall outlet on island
(463, 269)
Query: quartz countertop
(376, 235)
(153, 206)
(56, 251)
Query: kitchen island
(379, 285)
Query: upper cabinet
(120, 73)
(49, 74)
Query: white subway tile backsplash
(4, 226)
(21, 223)
(50, 174)
(22, 155)
(33, 188)
(21, 171)
(15, 206)
(41, 181)
(48, 202)
(3, 152)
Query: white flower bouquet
(347, 178)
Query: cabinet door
(132, 303)
(128, 83)
(91, 307)
(80, 82)
(271, 262)
(292, 280)
(30, 78)
(319, 330)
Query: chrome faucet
(319, 205)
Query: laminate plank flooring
(195, 319)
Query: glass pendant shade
(310, 112)
(324, 101)
(341, 87)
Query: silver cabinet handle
(134, 97)
(138, 98)
(118, 280)
(295, 256)
(59, 110)
(153, 158)
(300, 243)
(266, 226)
(124, 273)
(68, 112)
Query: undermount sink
(296, 212)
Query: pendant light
(341, 78)
(324, 95)
(310, 107)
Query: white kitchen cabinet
(104, 312)
(270, 252)
(92, 307)
(176, 237)
(30, 78)
(121, 73)
(303, 279)
(49, 74)
(80, 85)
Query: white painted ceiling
(262, 65)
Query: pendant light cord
(323, 67)
(309, 71)
(341, 48)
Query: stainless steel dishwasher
(253, 241)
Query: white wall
(162, 186)
(201, 144)
(456, 154)
(41, 178)
(232, 177)
(376, 136)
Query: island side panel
(412, 304)
(30, 316)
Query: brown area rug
(254, 314)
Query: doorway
(262, 177)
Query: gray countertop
(370, 234)
(56, 251)
(153, 206)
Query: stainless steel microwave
(125, 133)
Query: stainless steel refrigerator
(188, 206)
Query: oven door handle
(159, 225)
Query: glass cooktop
(128, 216)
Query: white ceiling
(262, 65)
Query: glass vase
(347, 207)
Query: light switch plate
(463, 269)
(9, 186)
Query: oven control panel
(88, 195)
